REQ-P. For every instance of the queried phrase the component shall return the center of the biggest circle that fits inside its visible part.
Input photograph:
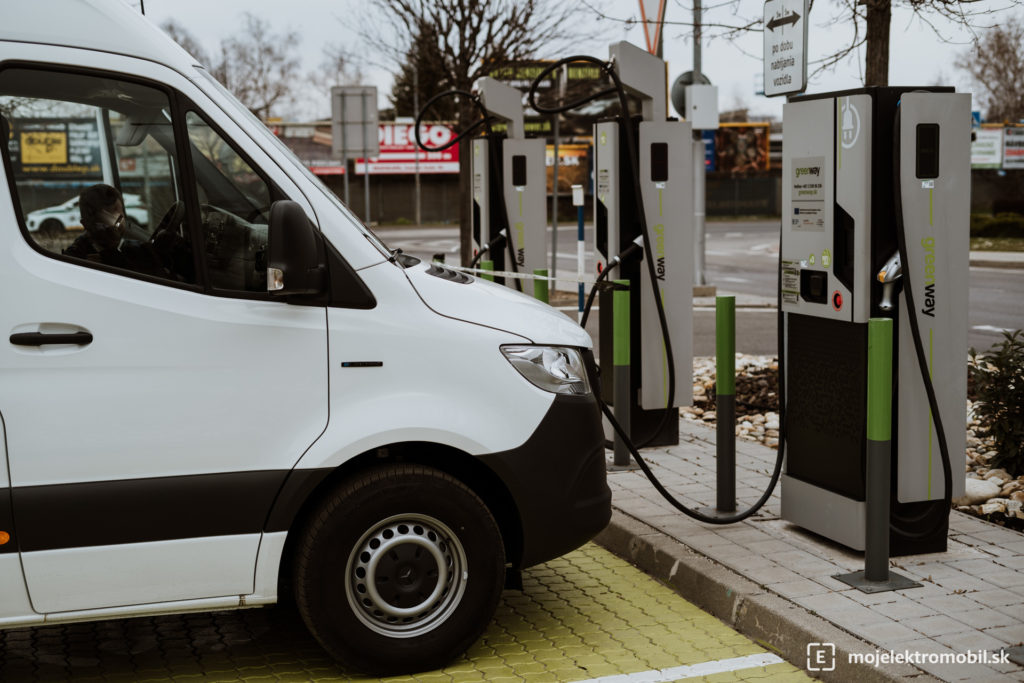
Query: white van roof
(104, 25)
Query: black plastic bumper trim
(557, 480)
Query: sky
(918, 56)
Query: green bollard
(725, 403)
(879, 450)
(620, 373)
(540, 287)
(876, 576)
(487, 265)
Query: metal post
(699, 231)
(554, 203)
(344, 145)
(366, 162)
(577, 200)
(540, 287)
(620, 361)
(416, 154)
(487, 265)
(725, 402)
(876, 576)
(697, 11)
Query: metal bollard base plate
(895, 582)
(629, 467)
(716, 513)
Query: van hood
(464, 297)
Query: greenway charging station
(853, 163)
(664, 163)
(514, 165)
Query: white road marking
(726, 278)
(692, 671)
(991, 328)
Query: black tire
(399, 570)
(51, 227)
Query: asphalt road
(742, 258)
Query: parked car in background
(54, 220)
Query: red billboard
(399, 151)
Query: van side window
(234, 203)
(67, 133)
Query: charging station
(844, 190)
(664, 163)
(514, 165)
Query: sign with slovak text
(785, 47)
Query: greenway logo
(808, 170)
(521, 251)
(659, 249)
(929, 276)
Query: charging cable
(485, 122)
(632, 156)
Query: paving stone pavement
(972, 596)
(582, 617)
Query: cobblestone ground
(584, 616)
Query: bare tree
(338, 67)
(257, 65)
(425, 68)
(870, 20)
(997, 65)
(474, 38)
(181, 36)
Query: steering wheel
(171, 218)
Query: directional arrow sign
(785, 47)
(782, 21)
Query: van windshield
(269, 137)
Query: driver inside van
(105, 238)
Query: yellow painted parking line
(586, 616)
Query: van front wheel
(399, 570)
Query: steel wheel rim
(406, 575)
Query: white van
(254, 397)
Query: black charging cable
(633, 155)
(485, 123)
(631, 148)
(915, 331)
(633, 248)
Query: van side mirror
(295, 252)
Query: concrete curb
(766, 618)
(989, 263)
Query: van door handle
(42, 338)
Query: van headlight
(558, 369)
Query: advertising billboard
(573, 167)
(741, 148)
(399, 151)
(67, 149)
(1013, 148)
(987, 148)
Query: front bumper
(557, 480)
